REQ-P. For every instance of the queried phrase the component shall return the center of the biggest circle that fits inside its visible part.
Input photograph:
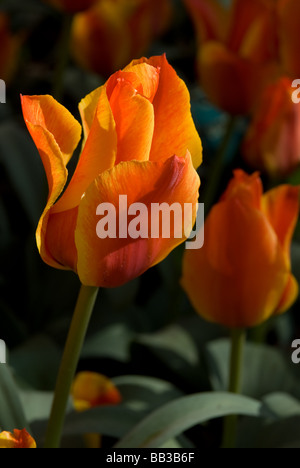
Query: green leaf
(11, 411)
(37, 405)
(113, 342)
(175, 340)
(281, 405)
(264, 370)
(114, 421)
(143, 392)
(37, 362)
(184, 413)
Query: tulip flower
(10, 45)
(17, 440)
(242, 275)
(289, 24)
(72, 6)
(140, 142)
(272, 142)
(114, 32)
(237, 50)
(91, 390)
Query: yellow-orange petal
(174, 130)
(289, 296)
(281, 206)
(112, 262)
(143, 77)
(238, 278)
(231, 82)
(91, 390)
(18, 439)
(47, 113)
(99, 151)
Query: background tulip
(114, 32)
(237, 50)
(242, 275)
(136, 138)
(17, 439)
(72, 6)
(91, 390)
(272, 142)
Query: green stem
(82, 314)
(218, 166)
(238, 339)
(62, 57)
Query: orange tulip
(272, 142)
(237, 50)
(10, 45)
(108, 36)
(137, 131)
(242, 275)
(72, 6)
(91, 390)
(17, 440)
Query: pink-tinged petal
(112, 262)
(60, 238)
(98, 155)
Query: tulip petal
(88, 108)
(112, 262)
(91, 390)
(99, 152)
(47, 113)
(281, 206)
(289, 296)
(174, 131)
(17, 439)
(238, 278)
(144, 77)
(134, 117)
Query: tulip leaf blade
(11, 411)
(174, 418)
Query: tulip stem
(63, 53)
(82, 314)
(238, 338)
(218, 166)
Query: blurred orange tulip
(10, 45)
(237, 50)
(17, 440)
(289, 26)
(272, 143)
(114, 32)
(140, 141)
(91, 390)
(72, 6)
(242, 275)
